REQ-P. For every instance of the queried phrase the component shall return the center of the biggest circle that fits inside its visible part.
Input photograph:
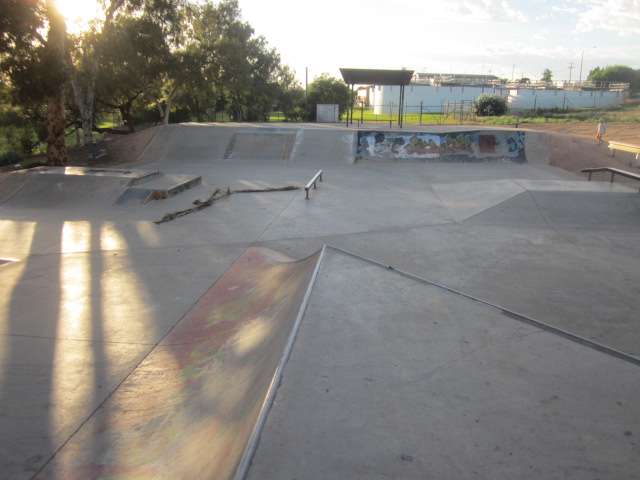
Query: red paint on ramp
(189, 409)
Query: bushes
(490, 105)
(10, 158)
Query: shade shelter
(366, 76)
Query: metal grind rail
(317, 177)
(613, 171)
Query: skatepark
(444, 305)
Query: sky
(510, 38)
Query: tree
(82, 64)
(547, 75)
(617, 73)
(234, 64)
(328, 90)
(91, 47)
(133, 57)
(54, 60)
(20, 21)
(35, 64)
(490, 105)
(39, 66)
(292, 97)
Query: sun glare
(79, 13)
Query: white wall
(432, 97)
(528, 99)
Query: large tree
(235, 65)
(617, 73)
(35, 64)
(136, 59)
(97, 47)
(199, 54)
(329, 90)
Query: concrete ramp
(392, 376)
(189, 410)
(529, 201)
(73, 188)
(564, 209)
(260, 146)
(232, 142)
(325, 146)
(70, 187)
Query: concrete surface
(412, 381)
(427, 383)
(189, 408)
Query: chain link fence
(446, 113)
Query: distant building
(454, 79)
(431, 92)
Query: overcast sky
(504, 38)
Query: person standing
(602, 127)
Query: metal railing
(317, 177)
(613, 171)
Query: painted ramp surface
(190, 408)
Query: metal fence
(445, 113)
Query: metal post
(400, 109)
(353, 88)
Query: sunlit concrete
(92, 288)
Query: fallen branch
(200, 204)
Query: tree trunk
(163, 112)
(85, 106)
(125, 113)
(238, 107)
(55, 122)
(84, 102)
(165, 119)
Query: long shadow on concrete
(465, 375)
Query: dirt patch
(572, 146)
(120, 149)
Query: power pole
(571, 67)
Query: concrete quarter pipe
(189, 409)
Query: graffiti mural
(473, 146)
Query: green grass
(628, 112)
(368, 116)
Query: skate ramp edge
(193, 408)
(69, 187)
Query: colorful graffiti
(475, 146)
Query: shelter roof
(365, 76)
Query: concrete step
(169, 185)
(158, 187)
